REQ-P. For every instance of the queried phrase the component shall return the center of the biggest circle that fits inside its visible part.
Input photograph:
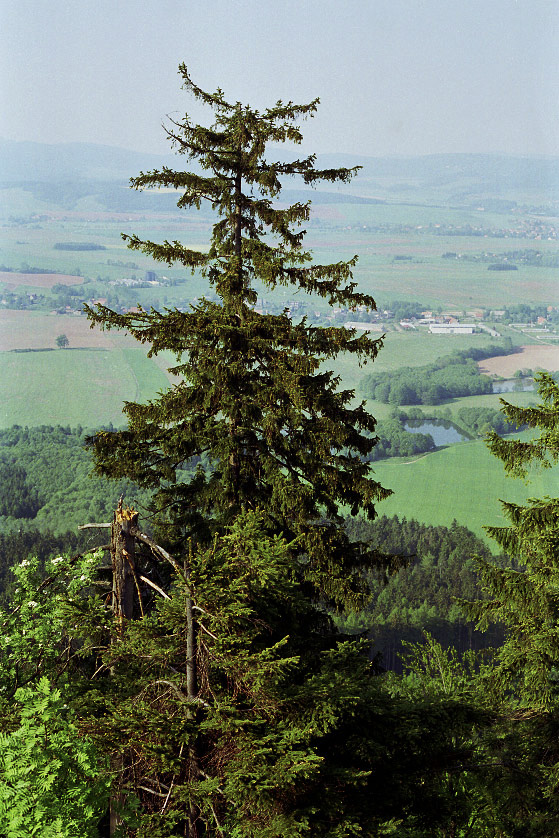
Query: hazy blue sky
(393, 76)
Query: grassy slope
(462, 482)
(74, 387)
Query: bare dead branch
(172, 784)
(94, 526)
(151, 791)
(180, 695)
(155, 587)
(134, 531)
(203, 627)
(132, 568)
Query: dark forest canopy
(48, 484)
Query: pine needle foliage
(254, 403)
(291, 731)
(524, 596)
(543, 449)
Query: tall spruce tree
(232, 708)
(255, 402)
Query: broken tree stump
(123, 563)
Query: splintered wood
(123, 562)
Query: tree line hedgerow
(452, 376)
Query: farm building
(452, 328)
(364, 327)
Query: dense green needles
(254, 403)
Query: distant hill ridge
(453, 176)
(29, 161)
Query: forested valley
(219, 633)
(51, 466)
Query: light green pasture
(426, 278)
(462, 482)
(34, 244)
(72, 386)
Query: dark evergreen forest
(52, 491)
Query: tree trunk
(124, 585)
(122, 557)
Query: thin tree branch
(132, 568)
(155, 587)
(203, 627)
(151, 791)
(94, 526)
(172, 784)
(180, 695)
(134, 531)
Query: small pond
(443, 433)
(513, 385)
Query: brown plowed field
(14, 280)
(530, 357)
(30, 330)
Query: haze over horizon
(395, 77)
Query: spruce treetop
(268, 425)
(253, 238)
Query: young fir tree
(289, 733)
(525, 597)
(255, 402)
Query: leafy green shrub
(53, 783)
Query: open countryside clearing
(531, 357)
(37, 330)
(11, 279)
(85, 386)
(462, 482)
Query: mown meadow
(461, 482)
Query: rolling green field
(431, 279)
(75, 387)
(338, 231)
(88, 383)
(33, 243)
(462, 482)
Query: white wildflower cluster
(57, 560)
(32, 604)
(24, 563)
